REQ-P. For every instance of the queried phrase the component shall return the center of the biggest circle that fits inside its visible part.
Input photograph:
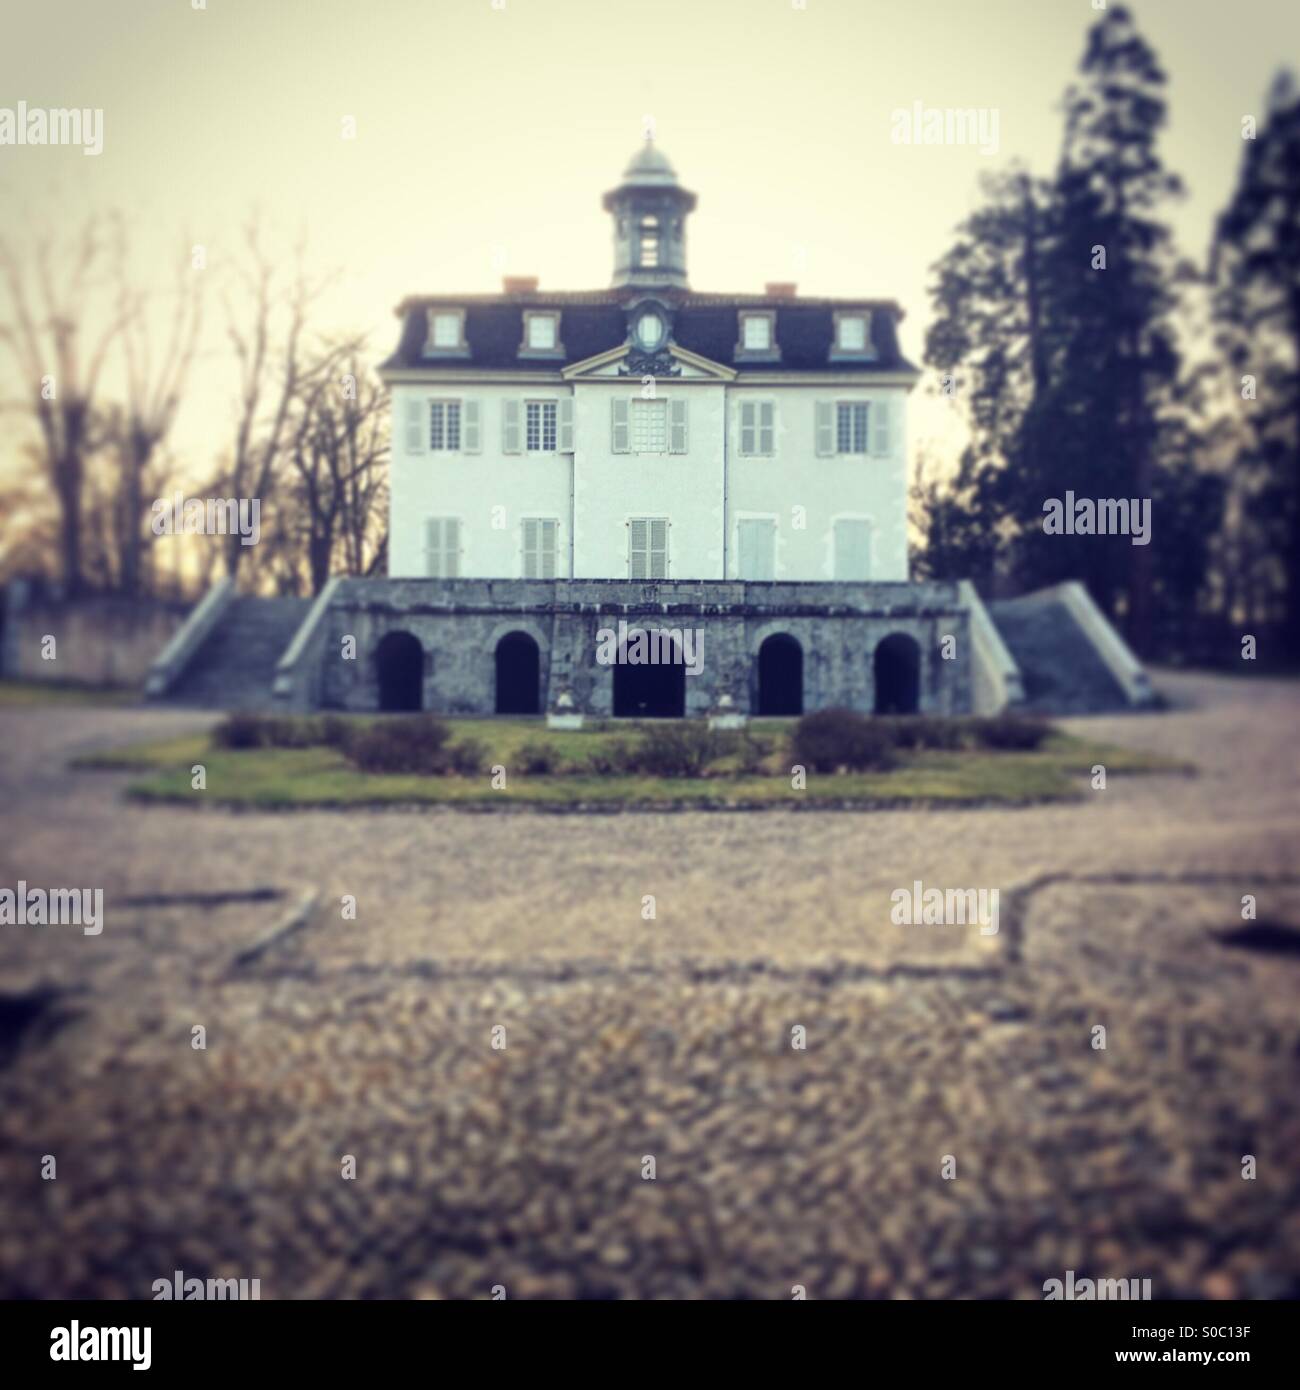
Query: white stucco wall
(841, 486)
(473, 486)
(685, 488)
(494, 487)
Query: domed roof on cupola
(649, 168)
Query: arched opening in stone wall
(897, 666)
(519, 674)
(650, 689)
(780, 675)
(399, 666)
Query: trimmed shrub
(290, 731)
(239, 730)
(928, 731)
(752, 753)
(612, 760)
(538, 759)
(466, 758)
(677, 750)
(335, 731)
(410, 743)
(248, 730)
(1015, 732)
(834, 738)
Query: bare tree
(60, 375)
(153, 395)
(340, 444)
(273, 372)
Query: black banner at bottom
(166, 1338)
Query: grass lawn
(41, 694)
(269, 778)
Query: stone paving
(627, 1039)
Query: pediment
(628, 361)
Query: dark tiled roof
(593, 321)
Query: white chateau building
(648, 431)
(723, 473)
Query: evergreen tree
(1255, 267)
(990, 345)
(1111, 295)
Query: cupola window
(648, 252)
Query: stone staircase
(1061, 669)
(234, 666)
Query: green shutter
(620, 433)
(677, 425)
(510, 430)
(825, 413)
(637, 560)
(767, 428)
(881, 421)
(470, 433)
(415, 422)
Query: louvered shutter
(825, 411)
(531, 566)
(510, 428)
(677, 425)
(659, 549)
(637, 559)
(766, 428)
(748, 431)
(852, 551)
(442, 547)
(757, 549)
(470, 433)
(881, 441)
(435, 547)
(546, 546)
(620, 432)
(415, 408)
(566, 424)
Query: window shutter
(748, 435)
(766, 428)
(442, 547)
(637, 567)
(470, 434)
(546, 547)
(433, 546)
(825, 411)
(677, 425)
(620, 435)
(531, 567)
(658, 549)
(566, 424)
(881, 443)
(757, 549)
(510, 431)
(414, 425)
(852, 551)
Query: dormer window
(446, 331)
(756, 332)
(541, 334)
(851, 333)
(648, 243)
(758, 336)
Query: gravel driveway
(949, 1128)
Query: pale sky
(487, 132)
